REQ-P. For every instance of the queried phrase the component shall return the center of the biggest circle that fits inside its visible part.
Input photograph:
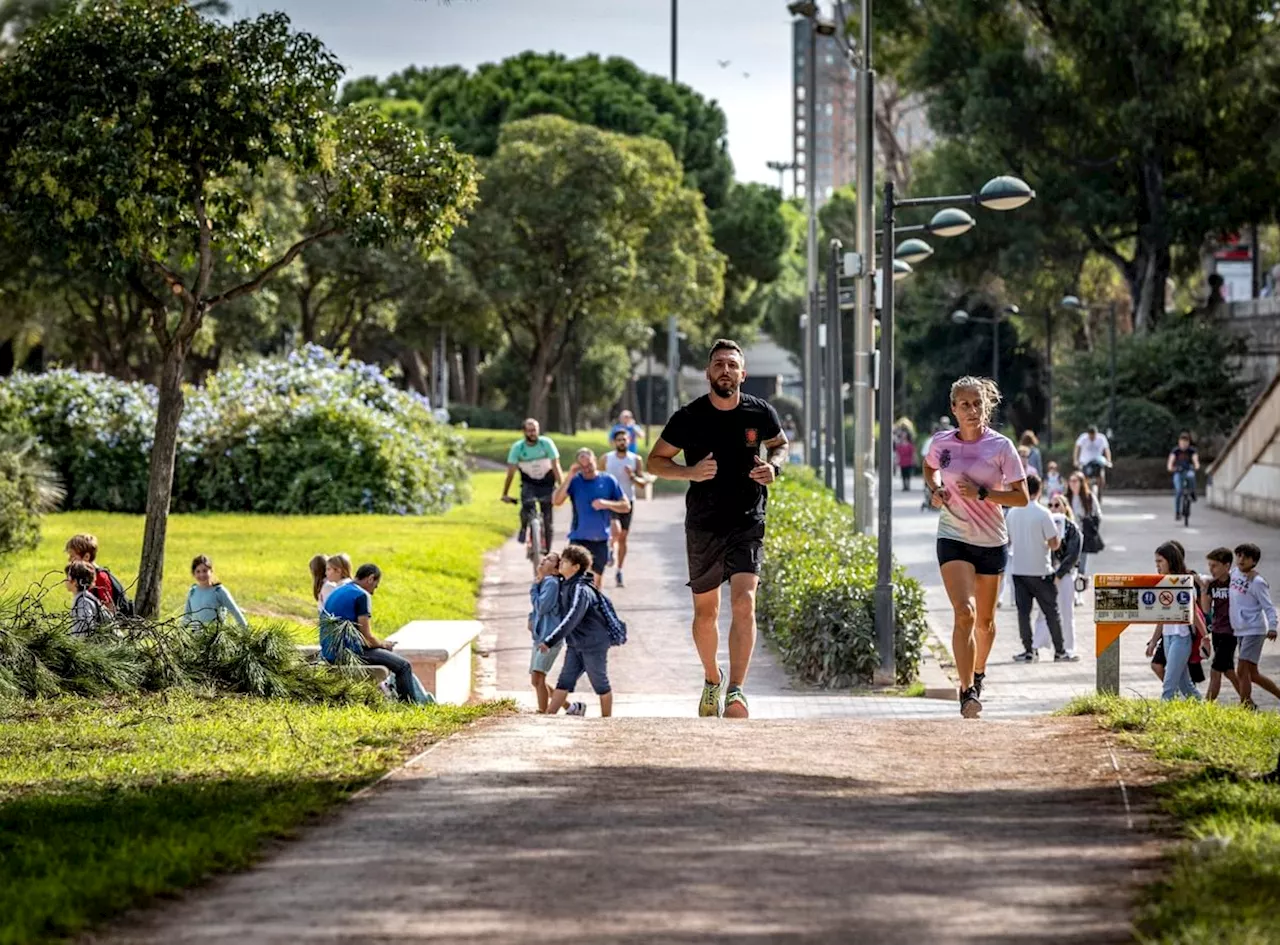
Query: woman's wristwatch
(983, 492)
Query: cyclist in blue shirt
(627, 424)
(596, 496)
(1184, 461)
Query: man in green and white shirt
(538, 461)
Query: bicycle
(1093, 475)
(1185, 486)
(535, 527)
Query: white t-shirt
(617, 467)
(1030, 529)
(1091, 451)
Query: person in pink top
(905, 452)
(972, 474)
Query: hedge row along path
(837, 823)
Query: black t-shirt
(732, 500)
(1182, 458)
(1220, 599)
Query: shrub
(28, 488)
(310, 433)
(816, 600)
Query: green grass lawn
(1224, 882)
(494, 444)
(432, 565)
(104, 804)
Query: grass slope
(1224, 884)
(104, 804)
(432, 565)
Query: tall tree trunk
(540, 374)
(1152, 261)
(415, 372)
(160, 482)
(457, 389)
(472, 371)
(568, 422)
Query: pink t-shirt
(990, 461)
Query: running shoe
(712, 693)
(576, 708)
(970, 706)
(978, 680)
(1066, 656)
(1029, 656)
(619, 577)
(735, 704)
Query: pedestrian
(1035, 462)
(1253, 619)
(544, 595)
(1053, 482)
(327, 573)
(792, 433)
(1033, 537)
(87, 612)
(1065, 557)
(207, 600)
(905, 451)
(584, 629)
(1087, 511)
(627, 424)
(346, 630)
(1093, 456)
(624, 466)
(1177, 640)
(722, 435)
(84, 548)
(972, 474)
(596, 496)
(1216, 602)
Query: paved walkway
(545, 830)
(1133, 526)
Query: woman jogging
(970, 473)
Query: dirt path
(530, 830)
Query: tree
(19, 16)
(581, 234)
(1149, 124)
(131, 133)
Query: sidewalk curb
(937, 683)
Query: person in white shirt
(1093, 455)
(624, 466)
(1033, 536)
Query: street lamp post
(835, 367)
(1000, 193)
(961, 317)
(781, 167)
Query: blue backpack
(617, 629)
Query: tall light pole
(864, 292)
(1000, 193)
(781, 167)
(675, 33)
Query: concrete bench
(311, 653)
(440, 651)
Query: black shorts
(1224, 652)
(624, 520)
(716, 557)
(599, 553)
(984, 560)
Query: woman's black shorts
(984, 560)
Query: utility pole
(812, 366)
(864, 294)
(673, 366)
(675, 31)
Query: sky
(378, 37)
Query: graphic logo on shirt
(944, 459)
(752, 437)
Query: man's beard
(724, 388)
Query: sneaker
(710, 706)
(735, 704)
(1029, 656)
(609, 562)
(1066, 656)
(978, 680)
(970, 706)
(1079, 599)
(619, 579)
(520, 537)
(576, 708)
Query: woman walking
(1178, 640)
(971, 474)
(1087, 511)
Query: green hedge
(816, 599)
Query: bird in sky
(724, 63)
(746, 75)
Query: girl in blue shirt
(208, 601)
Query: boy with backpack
(87, 612)
(589, 627)
(106, 587)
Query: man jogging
(722, 435)
(596, 497)
(623, 466)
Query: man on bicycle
(538, 461)
(1184, 461)
(1093, 456)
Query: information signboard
(1142, 598)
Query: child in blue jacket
(544, 596)
(585, 628)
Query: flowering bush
(310, 433)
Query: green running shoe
(709, 707)
(735, 704)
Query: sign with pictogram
(1122, 599)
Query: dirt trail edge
(531, 830)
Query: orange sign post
(1123, 599)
